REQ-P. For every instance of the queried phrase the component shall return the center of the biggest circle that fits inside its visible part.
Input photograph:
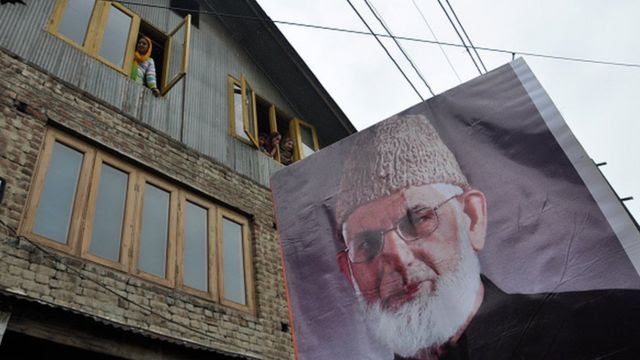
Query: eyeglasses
(414, 225)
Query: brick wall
(30, 101)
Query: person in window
(263, 142)
(275, 139)
(286, 150)
(144, 69)
(269, 144)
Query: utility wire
(385, 50)
(424, 19)
(358, 32)
(484, 48)
(467, 35)
(78, 272)
(413, 65)
(460, 36)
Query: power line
(385, 50)
(484, 48)
(424, 19)
(358, 32)
(379, 17)
(460, 36)
(467, 35)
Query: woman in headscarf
(144, 69)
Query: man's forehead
(395, 205)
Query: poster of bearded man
(470, 226)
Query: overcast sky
(600, 103)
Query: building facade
(136, 226)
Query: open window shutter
(305, 138)
(294, 131)
(249, 119)
(273, 125)
(176, 54)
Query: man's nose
(397, 254)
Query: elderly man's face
(404, 269)
(420, 285)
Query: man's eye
(366, 242)
(423, 215)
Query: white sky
(600, 103)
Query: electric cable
(424, 19)
(377, 15)
(460, 36)
(358, 32)
(467, 35)
(386, 50)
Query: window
(60, 189)
(250, 116)
(197, 254)
(232, 230)
(108, 31)
(109, 212)
(236, 120)
(305, 139)
(155, 232)
(88, 203)
(249, 119)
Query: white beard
(430, 320)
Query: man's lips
(412, 289)
(408, 293)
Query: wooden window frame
(184, 59)
(249, 305)
(294, 126)
(83, 213)
(80, 195)
(212, 248)
(95, 33)
(128, 216)
(249, 118)
(170, 256)
(231, 81)
(56, 18)
(273, 125)
(100, 26)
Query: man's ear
(475, 207)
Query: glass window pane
(53, 216)
(177, 48)
(114, 41)
(237, 111)
(75, 20)
(250, 116)
(233, 261)
(308, 146)
(109, 214)
(155, 231)
(195, 247)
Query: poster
(470, 226)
